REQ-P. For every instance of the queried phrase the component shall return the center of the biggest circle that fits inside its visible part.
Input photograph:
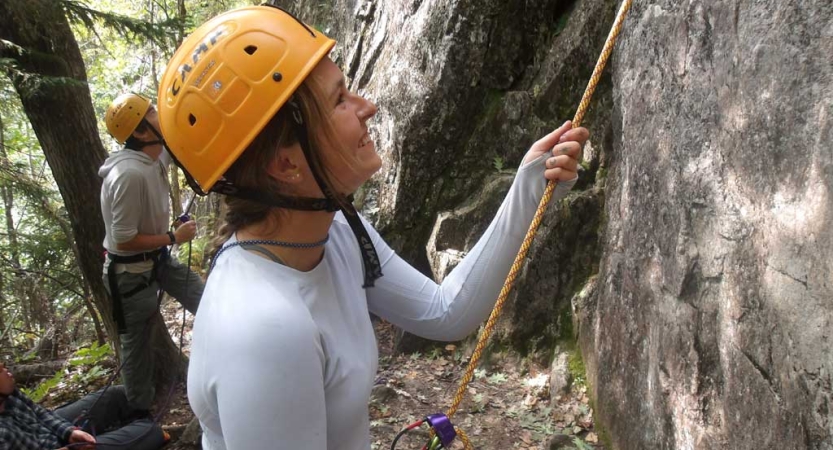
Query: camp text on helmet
(185, 69)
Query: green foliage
(436, 352)
(128, 27)
(198, 246)
(87, 362)
(36, 256)
(88, 376)
(577, 369)
(125, 46)
(540, 424)
(497, 378)
(26, 357)
(39, 392)
(581, 445)
(479, 404)
(91, 355)
(498, 164)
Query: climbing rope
(533, 227)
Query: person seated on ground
(25, 425)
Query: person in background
(136, 211)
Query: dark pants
(136, 351)
(112, 421)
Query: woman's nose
(368, 109)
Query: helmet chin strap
(370, 259)
(159, 138)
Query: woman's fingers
(563, 162)
(579, 135)
(560, 174)
(570, 149)
(563, 166)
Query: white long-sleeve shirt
(286, 359)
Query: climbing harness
(530, 235)
(158, 256)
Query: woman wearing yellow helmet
(283, 350)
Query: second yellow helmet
(125, 114)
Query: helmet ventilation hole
(250, 49)
(191, 119)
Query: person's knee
(140, 434)
(153, 436)
(117, 395)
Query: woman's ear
(286, 166)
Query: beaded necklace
(260, 242)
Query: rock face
(696, 249)
(711, 323)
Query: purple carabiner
(443, 427)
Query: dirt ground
(507, 405)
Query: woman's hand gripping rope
(565, 144)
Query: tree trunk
(176, 192)
(52, 83)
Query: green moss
(566, 335)
(567, 341)
(493, 102)
(604, 436)
(576, 365)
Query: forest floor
(507, 405)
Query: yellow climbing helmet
(228, 79)
(125, 114)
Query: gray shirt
(134, 198)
